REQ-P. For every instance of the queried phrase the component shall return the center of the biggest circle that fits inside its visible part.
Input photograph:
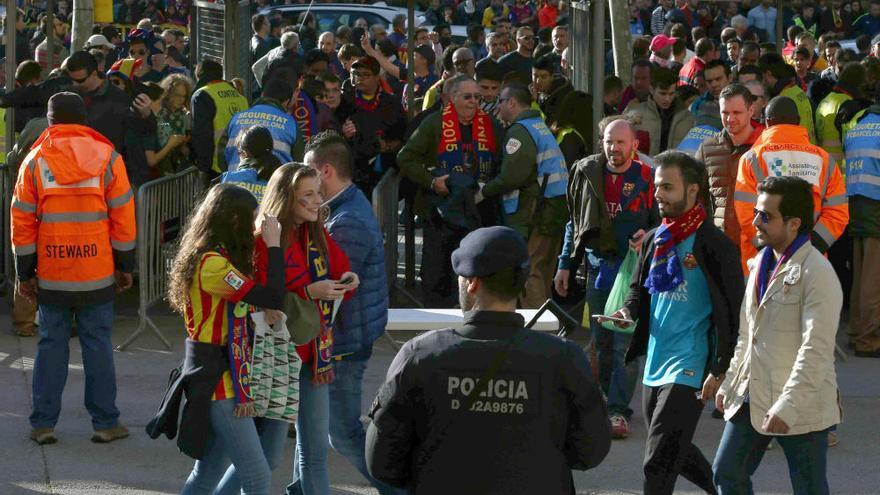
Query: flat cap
(490, 250)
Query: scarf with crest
(665, 273)
(454, 155)
(322, 346)
(305, 114)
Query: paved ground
(139, 465)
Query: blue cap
(490, 250)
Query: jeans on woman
(236, 440)
(312, 438)
(273, 434)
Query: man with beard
(449, 168)
(790, 317)
(520, 60)
(611, 205)
(640, 88)
(470, 398)
(685, 301)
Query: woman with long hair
(315, 269)
(211, 283)
(174, 121)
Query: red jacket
(297, 275)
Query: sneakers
(619, 427)
(43, 436)
(107, 435)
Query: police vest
(227, 102)
(246, 178)
(826, 131)
(800, 23)
(862, 144)
(691, 142)
(281, 125)
(550, 163)
(805, 108)
(566, 132)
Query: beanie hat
(66, 108)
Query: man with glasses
(373, 122)
(532, 184)
(449, 168)
(759, 92)
(785, 150)
(781, 381)
(520, 61)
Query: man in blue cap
(506, 409)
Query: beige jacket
(646, 117)
(784, 357)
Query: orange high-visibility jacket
(785, 150)
(72, 215)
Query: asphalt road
(139, 465)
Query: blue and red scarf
(453, 153)
(305, 114)
(322, 346)
(238, 347)
(767, 269)
(665, 273)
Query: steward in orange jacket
(784, 149)
(73, 220)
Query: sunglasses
(470, 96)
(763, 215)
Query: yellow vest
(3, 148)
(227, 102)
(805, 108)
(566, 132)
(826, 133)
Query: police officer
(489, 408)
(532, 183)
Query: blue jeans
(273, 434)
(236, 440)
(94, 326)
(312, 438)
(346, 432)
(617, 379)
(742, 448)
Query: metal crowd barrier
(162, 208)
(7, 269)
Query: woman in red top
(314, 266)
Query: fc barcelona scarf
(322, 346)
(452, 152)
(665, 273)
(305, 114)
(239, 348)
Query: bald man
(611, 201)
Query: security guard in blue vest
(491, 407)
(532, 184)
(257, 164)
(705, 128)
(269, 111)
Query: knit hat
(125, 67)
(66, 108)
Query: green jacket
(418, 156)
(518, 171)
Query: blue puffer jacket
(361, 319)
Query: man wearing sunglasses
(781, 381)
(784, 149)
(450, 153)
(520, 61)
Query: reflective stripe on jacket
(826, 132)
(280, 124)
(246, 178)
(227, 102)
(550, 164)
(784, 150)
(691, 142)
(72, 216)
(862, 144)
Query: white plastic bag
(274, 370)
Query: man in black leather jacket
(492, 407)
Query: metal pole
(50, 36)
(11, 57)
(410, 63)
(83, 20)
(597, 71)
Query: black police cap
(490, 250)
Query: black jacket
(719, 260)
(203, 366)
(541, 415)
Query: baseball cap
(661, 41)
(368, 63)
(97, 40)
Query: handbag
(275, 367)
(303, 320)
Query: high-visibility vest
(692, 140)
(862, 144)
(826, 132)
(72, 208)
(246, 178)
(805, 108)
(550, 163)
(565, 132)
(227, 102)
(280, 124)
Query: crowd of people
(729, 217)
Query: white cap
(97, 40)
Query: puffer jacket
(362, 318)
(722, 162)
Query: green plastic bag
(619, 291)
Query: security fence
(162, 208)
(222, 31)
(7, 270)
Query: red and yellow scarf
(452, 151)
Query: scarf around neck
(665, 273)
(767, 269)
(454, 155)
(322, 346)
